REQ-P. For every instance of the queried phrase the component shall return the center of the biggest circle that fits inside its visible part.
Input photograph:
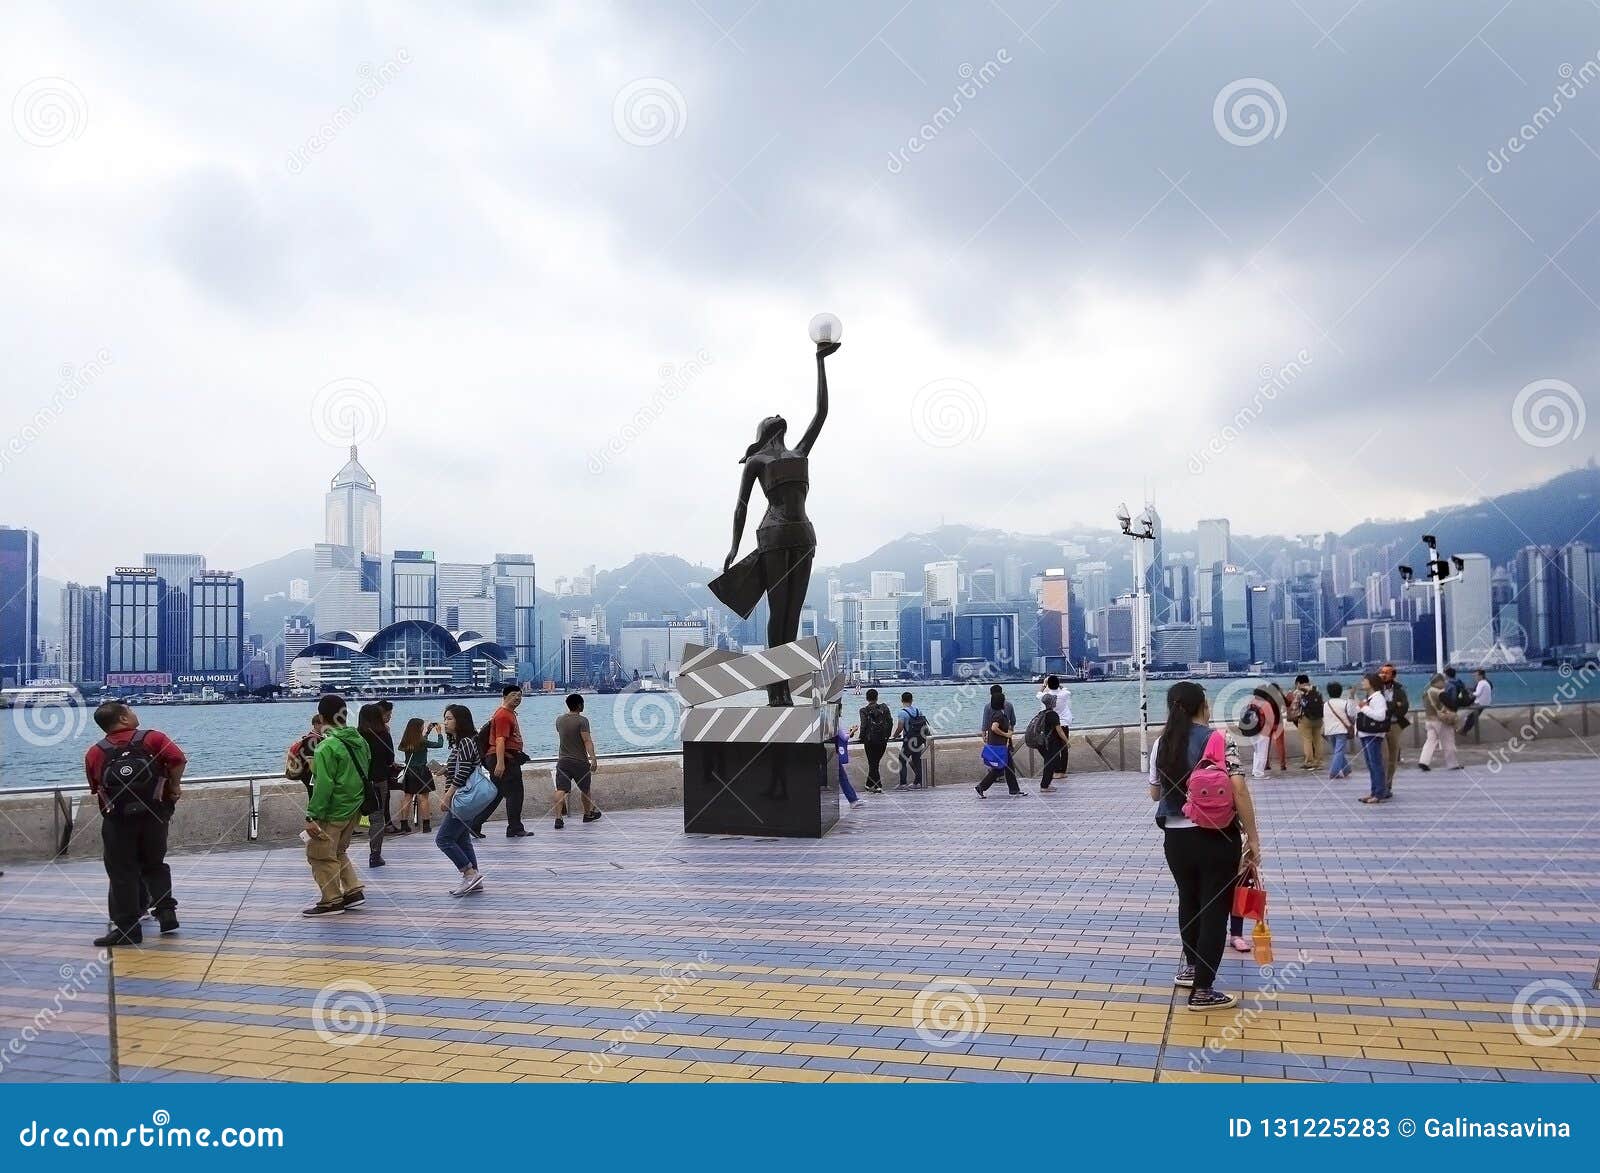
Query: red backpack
(1209, 801)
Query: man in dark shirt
(504, 760)
(876, 724)
(575, 760)
(135, 806)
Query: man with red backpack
(135, 775)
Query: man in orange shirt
(504, 759)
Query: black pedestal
(734, 788)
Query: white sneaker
(468, 887)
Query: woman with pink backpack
(1209, 823)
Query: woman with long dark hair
(1204, 862)
(454, 837)
(373, 725)
(780, 566)
(415, 743)
(1372, 727)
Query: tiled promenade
(624, 951)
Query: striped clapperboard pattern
(754, 724)
(707, 674)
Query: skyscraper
(941, 584)
(1263, 641)
(413, 586)
(353, 511)
(19, 605)
(83, 633)
(1233, 615)
(1575, 596)
(1214, 553)
(216, 628)
(887, 583)
(460, 583)
(1535, 579)
(1469, 608)
(984, 585)
(1214, 542)
(516, 623)
(1155, 578)
(136, 597)
(176, 570)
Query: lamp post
(1141, 529)
(1439, 576)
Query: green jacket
(340, 769)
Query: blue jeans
(1372, 750)
(454, 838)
(1341, 762)
(845, 788)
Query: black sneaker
(115, 937)
(1202, 1000)
(321, 909)
(1424, 767)
(476, 832)
(168, 921)
(592, 816)
(560, 823)
(981, 792)
(519, 833)
(353, 899)
(377, 861)
(1184, 978)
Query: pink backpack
(1210, 790)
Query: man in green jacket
(340, 770)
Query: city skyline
(659, 306)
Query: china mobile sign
(208, 678)
(138, 679)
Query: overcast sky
(557, 261)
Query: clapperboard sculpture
(758, 769)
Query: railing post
(254, 832)
(1122, 747)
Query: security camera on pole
(1440, 576)
(1140, 530)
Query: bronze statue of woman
(780, 565)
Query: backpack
(1208, 791)
(876, 723)
(1040, 727)
(1455, 696)
(1311, 706)
(916, 736)
(294, 762)
(130, 782)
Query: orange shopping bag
(1249, 896)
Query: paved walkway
(932, 936)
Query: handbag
(1249, 896)
(473, 796)
(996, 757)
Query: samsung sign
(208, 678)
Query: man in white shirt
(1482, 697)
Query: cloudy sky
(1278, 261)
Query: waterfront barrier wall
(61, 821)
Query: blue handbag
(996, 757)
(473, 797)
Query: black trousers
(875, 751)
(1009, 773)
(134, 849)
(1055, 762)
(508, 789)
(911, 761)
(1204, 865)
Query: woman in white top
(1339, 724)
(1372, 723)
